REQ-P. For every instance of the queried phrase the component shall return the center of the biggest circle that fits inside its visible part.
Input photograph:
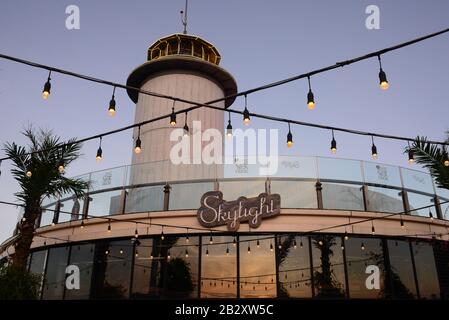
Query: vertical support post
(58, 207)
(405, 202)
(364, 190)
(319, 194)
(87, 200)
(268, 186)
(167, 189)
(123, 199)
(439, 212)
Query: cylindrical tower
(183, 66)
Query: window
(257, 268)
(218, 268)
(55, 274)
(37, 264)
(426, 272)
(361, 255)
(82, 256)
(402, 280)
(294, 267)
(113, 269)
(328, 267)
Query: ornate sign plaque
(215, 211)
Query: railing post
(319, 194)
(166, 196)
(216, 185)
(364, 190)
(58, 207)
(87, 199)
(122, 207)
(268, 186)
(405, 202)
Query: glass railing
(302, 182)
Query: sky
(259, 41)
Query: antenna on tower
(184, 17)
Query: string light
(229, 126)
(173, 115)
(310, 97)
(382, 76)
(82, 224)
(411, 159)
(246, 118)
(211, 240)
(234, 242)
(342, 247)
(258, 243)
(99, 156)
(320, 242)
(151, 255)
(162, 233)
(187, 253)
(300, 243)
(227, 250)
(289, 137)
(294, 243)
(445, 159)
(333, 144)
(430, 215)
(111, 108)
(249, 248)
(187, 236)
(136, 233)
(207, 251)
(402, 223)
(346, 235)
(106, 252)
(362, 246)
(121, 251)
(271, 246)
(61, 166)
(109, 226)
(168, 254)
(138, 147)
(280, 243)
(373, 149)
(28, 171)
(47, 87)
(186, 127)
(373, 231)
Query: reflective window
(106, 179)
(218, 268)
(257, 268)
(385, 200)
(294, 267)
(401, 273)
(180, 268)
(328, 267)
(55, 274)
(232, 190)
(188, 195)
(426, 272)
(37, 264)
(295, 194)
(416, 180)
(73, 207)
(382, 174)
(366, 268)
(147, 270)
(145, 199)
(416, 200)
(82, 256)
(113, 269)
(339, 169)
(342, 196)
(105, 203)
(442, 262)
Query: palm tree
(39, 170)
(432, 157)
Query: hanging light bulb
(136, 233)
(162, 233)
(187, 239)
(445, 159)
(121, 251)
(151, 255)
(234, 242)
(294, 243)
(300, 243)
(373, 149)
(186, 127)
(207, 252)
(320, 243)
(28, 172)
(258, 243)
(47, 87)
(99, 152)
(342, 247)
(333, 144)
(402, 223)
(271, 246)
(280, 243)
(430, 215)
(111, 108)
(227, 250)
(289, 137)
(382, 76)
(187, 253)
(246, 118)
(82, 224)
(411, 159)
(61, 166)
(249, 248)
(373, 231)
(229, 127)
(173, 115)
(109, 226)
(310, 97)
(211, 240)
(106, 252)
(168, 254)
(138, 147)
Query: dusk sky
(259, 41)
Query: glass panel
(384, 200)
(382, 174)
(402, 278)
(342, 196)
(145, 199)
(181, 267)
(188, 195)
(297, 167)
(416, 180)
(47, 216)
(55, 274)
(217, 267)
(441, 252)
(426, 271)
(443, 193)
(113, 269)
(328, 267)
(105, 203)
(232, 190)
(257, 268)
(362, 256)
(37, 265)
(444, 210)
(295, 194)
(106, 179)
(294, 268)
(416, 200)
(82, 256)
(71, 210)
(147, 270)
(339, 169)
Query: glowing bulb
(384, 85)
(29, 173)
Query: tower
(183, 66)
